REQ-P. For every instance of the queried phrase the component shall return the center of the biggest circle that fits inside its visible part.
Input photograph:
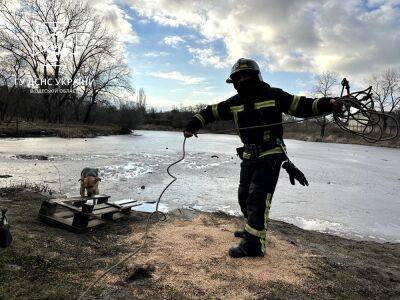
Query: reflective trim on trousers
(255, 232)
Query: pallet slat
(76, 215)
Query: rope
(265, 126)
(359, 109)
(146, 232)
(363, 113)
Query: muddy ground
(185, 258)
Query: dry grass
(27, 129)
(187, 258)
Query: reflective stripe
(237, 108)
(267, 103)
(215, 112)
(262, 241)
(252, 231)
(267, 208)
(295, 103)
(246, 155)
(315, 107)
(235, 118)
(200, 117)
(266, 218)
(271, 151)
(265, 153)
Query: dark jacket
(264, 107)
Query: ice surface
(354, 190)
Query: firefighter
(255, 104)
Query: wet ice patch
(195, 165)
(201, 162)
(150, 207)
(315, 224)
(125, 172)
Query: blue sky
(151, 55)
(181, 51)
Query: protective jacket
(265, 106)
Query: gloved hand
(188, 134)
(294, 173)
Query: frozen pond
(354, 190)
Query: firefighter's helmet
(244, 64)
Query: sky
(181, 52)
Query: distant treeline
(177, 118)
(21, 105)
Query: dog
(89, 182)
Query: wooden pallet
(80, 214)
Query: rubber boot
(238, 233)
(250, 246)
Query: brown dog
(89, 182)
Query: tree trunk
(3, 112)
(76, 112)
(323, 131)
(323, 127)
(384, 125)
(89, 108)
(88, 111)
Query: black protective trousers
(258, 179)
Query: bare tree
(55, 38)
(386, 92)
(109, 79)
(12, 72)
(141, 101)
(323, 87)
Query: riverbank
(186, 258)
(25, 129)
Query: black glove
(294, 173)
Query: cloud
(203, 93)
(207, 57)
(155, 54)
(354, 38)
(144, 21)
(117, 20)
(175, 75)
(173, 40)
